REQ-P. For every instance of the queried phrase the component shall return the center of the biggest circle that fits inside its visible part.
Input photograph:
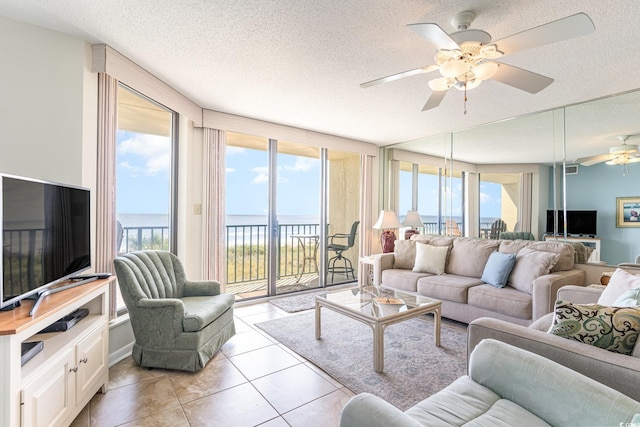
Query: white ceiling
(300, 62)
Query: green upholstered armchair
(177, 323)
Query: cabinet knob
(74, 369)
(84, 360)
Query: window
(145, 147)
(499, 200)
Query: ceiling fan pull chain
(465, 94)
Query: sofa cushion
(465, 402)
(496, 271)
(611, 328)
(430, 259)
(447, 287)
(404, 254)
(469, 256)
(505, 300)
(620, 282)
(565, 251)
(405, 280)
(529, 266)
(513, 246)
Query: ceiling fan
(618, 155)
(465, 57)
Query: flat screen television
(46, 236)
(579, 222)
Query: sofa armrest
(615, 370)
(381, 262)
(367, 410)
(579, 294)
(545, 289)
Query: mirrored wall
(555, 140)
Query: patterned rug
(296, 303)
(414, 367)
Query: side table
(368, 262)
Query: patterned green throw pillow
(611, 328)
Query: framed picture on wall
(628, 212)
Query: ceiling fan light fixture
(490, 51)
(486, 70)
(470, 84)
(440, 84)
(454, 67)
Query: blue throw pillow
(496, 271)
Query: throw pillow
(404, 255)
(630, 298)
(611, 328)
(497, 269)
(620, 282)
(430, 259)
(530, 264)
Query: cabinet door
(91, 356)
(50, 399)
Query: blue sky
(143, 177)
(143, 173)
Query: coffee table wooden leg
(437, 320)
(378, 348)
(318, 327)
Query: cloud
(302, 164)
(154, 153)
(230, 170)
(262, 175)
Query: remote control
(91, 276)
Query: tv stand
(50, 291)
(54, 386)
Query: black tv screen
(579, 222)
(46, 236)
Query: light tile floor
(253, 380)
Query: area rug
(296, 303)
(414, 368)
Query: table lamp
(412, 219)
(386, 221)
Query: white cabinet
(592, 242)
(52, 388)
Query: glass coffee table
(378, 308)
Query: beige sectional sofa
(539, 271)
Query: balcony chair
(452, 228)
(177, 323)
(338, 248)
(497, 227)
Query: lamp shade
(412, 219)
(387, 219)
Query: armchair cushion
(201, 311)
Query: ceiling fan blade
(521, 79)
(434, 100)
(435, 35)
(563, 29)
(592, 160)
(397, 76)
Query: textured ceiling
(300, 62)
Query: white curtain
(213, 206)
(366, 220)
(105, 180)
(524, 208)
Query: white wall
(43, 87)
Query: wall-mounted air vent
(571, 169)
